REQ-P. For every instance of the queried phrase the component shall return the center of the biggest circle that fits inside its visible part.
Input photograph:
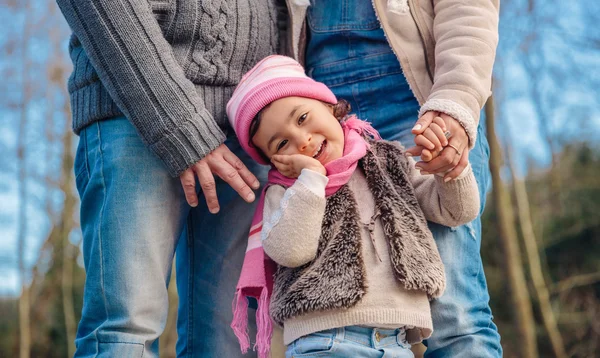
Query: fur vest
(336, 277)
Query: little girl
(350, 264)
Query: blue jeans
(132, 217)
(353, 341)
(349, 53)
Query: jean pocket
(80, 165)
(314, 344)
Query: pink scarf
(256, 278)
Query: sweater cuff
(466, 171)
(463, 180)
(313, 181)
(455, 111)
(188, 143)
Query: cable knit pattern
(169, 66)
(213, 38)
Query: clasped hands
(442, 143)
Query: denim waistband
(369, 337)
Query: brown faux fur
(336, 277)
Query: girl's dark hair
(252, 131)
(340, 111)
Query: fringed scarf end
(240, 320)
(264, 326)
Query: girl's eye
(282, 144)
(302, 118)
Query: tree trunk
(24, 304)
(525, 324)
(67, 295)
(535, 266)
(66, 223)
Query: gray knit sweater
(168, 66)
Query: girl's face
(298, 125)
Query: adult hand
(227, 166)
(453, 158)
(429, 132)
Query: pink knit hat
(272, 78)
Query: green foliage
(565, 206)
(8, 326)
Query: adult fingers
(424, 122)
(442, 163)
(458, 169)
(188, 182)
(242, 170)
(457, 130)
(230, 175)
(440, 122)
(208, 185)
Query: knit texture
(296, 215)
(256, 277)
(386, 303)
(335, 279)
(169, 66)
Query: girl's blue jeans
(347, 51)
(353, 341)
(134, 217)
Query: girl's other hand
(420, 151)
(454, 157)
(432, 136)
(291, 165)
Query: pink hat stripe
(268, 74)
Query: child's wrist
(317, 168)
(314, 181)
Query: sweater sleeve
(466, 36)
(136, 65)
(451, 204)
(292, 220)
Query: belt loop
(340, 334)
(401, 337)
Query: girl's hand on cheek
(291, 165)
